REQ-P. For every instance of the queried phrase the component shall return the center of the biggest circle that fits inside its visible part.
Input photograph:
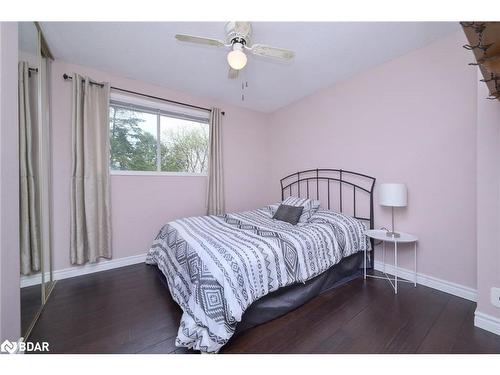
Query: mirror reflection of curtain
(29, 215)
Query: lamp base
(392, 234)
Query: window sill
(156, 174)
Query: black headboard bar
(324, 178)
(298, 185)
(354, 199)
(317, 185)
(341, 190)
(328, 184)
(325, 174)
(330, 170)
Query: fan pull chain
(243, 86)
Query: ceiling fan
(238, 39)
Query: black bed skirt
(289, 298)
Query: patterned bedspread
(216, 266)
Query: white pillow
(273, 207)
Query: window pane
(184, 145)
(133, 139)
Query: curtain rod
(68, 77)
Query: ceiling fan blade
(232, 74)
(268, 51)
(199, 40)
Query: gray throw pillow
(289, 214)
(310, 207)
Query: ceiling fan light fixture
(237, 58)
(239, 38)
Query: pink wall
(488, 200)
(142, 204)
(411, 120)
(10, 326)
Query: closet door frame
(45, 168)
(44, 182)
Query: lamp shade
(393, 195)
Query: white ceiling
(326, 52)
(28, 37)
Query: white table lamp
(393, 195)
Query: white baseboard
(430, 281)
(66, 273)
(487, 322)
(19, 351)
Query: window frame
(158, 108)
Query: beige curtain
(28, 169)
(90, 198)
(216, 201)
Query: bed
(231, 272)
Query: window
(157, 138)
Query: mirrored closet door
(35, 173)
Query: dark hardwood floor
(130, 310)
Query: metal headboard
(300, 184)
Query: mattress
(216, 267)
